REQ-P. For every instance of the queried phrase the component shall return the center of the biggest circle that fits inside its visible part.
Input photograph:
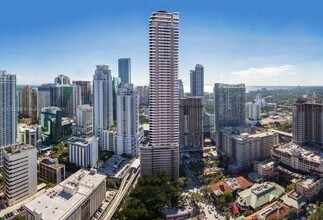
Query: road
(124, 188)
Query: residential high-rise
(127, 120)
(50, 170)
(197, 81)
(28, 103)
(181, 88)
(102, 100)
(83, 152)
(229, 105)
(124, 68)
(20, 181)
(84, 120)
(253, 112)
(85, 91)
(8, 112)
(162, 154)
(62, 80)
(28, 134)
(76, 99)
(191, 122)
(115, 86)
(308, 121)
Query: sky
(259, 43)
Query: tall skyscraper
(191, 122)
(162, 154)
(51, 124)
(86, 91)
(127, 120)
(229, 105)
(76, 99)
(253, 112)
(181, 88)
(143, 93)
(102, 100)
(84, 120)
(28, 103)
(197, 81)
(62, 80)
(308, 121)
(8, 111)
(124, 68)
(115, 86)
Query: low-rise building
(83, 152)
(177, 213)
(259, 195)
(308, 186)
(50, 170)
(20, 172)
(304, 158)
(230, 185)
(77, 197)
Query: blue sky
(270, 42)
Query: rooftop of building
(52, 162)
(308, 181)
(309, 152)
(231, 184)
(294, 200)
(23, 127)
(17, 148)
(260, 194)
(267, 163)
(59, 202)
(82, 141)
(177, 211)
(272, 211)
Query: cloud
(265, 72)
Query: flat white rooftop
(62, 200)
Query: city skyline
(271, 45)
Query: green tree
(289, 188)
(111, 183)
(318, 214)
(246, 213)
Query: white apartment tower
(77, 98)
(8, 113)
(83, 152)
(162, 154)
(127, 120)
(253, 112)
(20, 172)
(102, 100)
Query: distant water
(255, 88)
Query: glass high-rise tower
(124, 68)
(197, 81)
(8, 111)
(162, 154)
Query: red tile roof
(244, 184)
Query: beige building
(309, 186)
(51, 171)
(245, 148)
(28, 103)
(299, 157)
(191, 122)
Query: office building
(162, 154)
(62, 80)
(51, 123)
(143, 93)
(28, 103)
(109, 140)
(253, 112)
(208, 122)
(83, 152)
(181, 88)
(28, 134)
(127, 120)
(124, 68)
(308, 121)
(51, 171)
(191, 122)
(20, 182)
(77, 197)
(197, 81)
(243, 147)
(8, 113)
(46, 95)
(84, 120)
(229, 105)
(102, 100)
(308, 186)
(85, 91)
(116, 81)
